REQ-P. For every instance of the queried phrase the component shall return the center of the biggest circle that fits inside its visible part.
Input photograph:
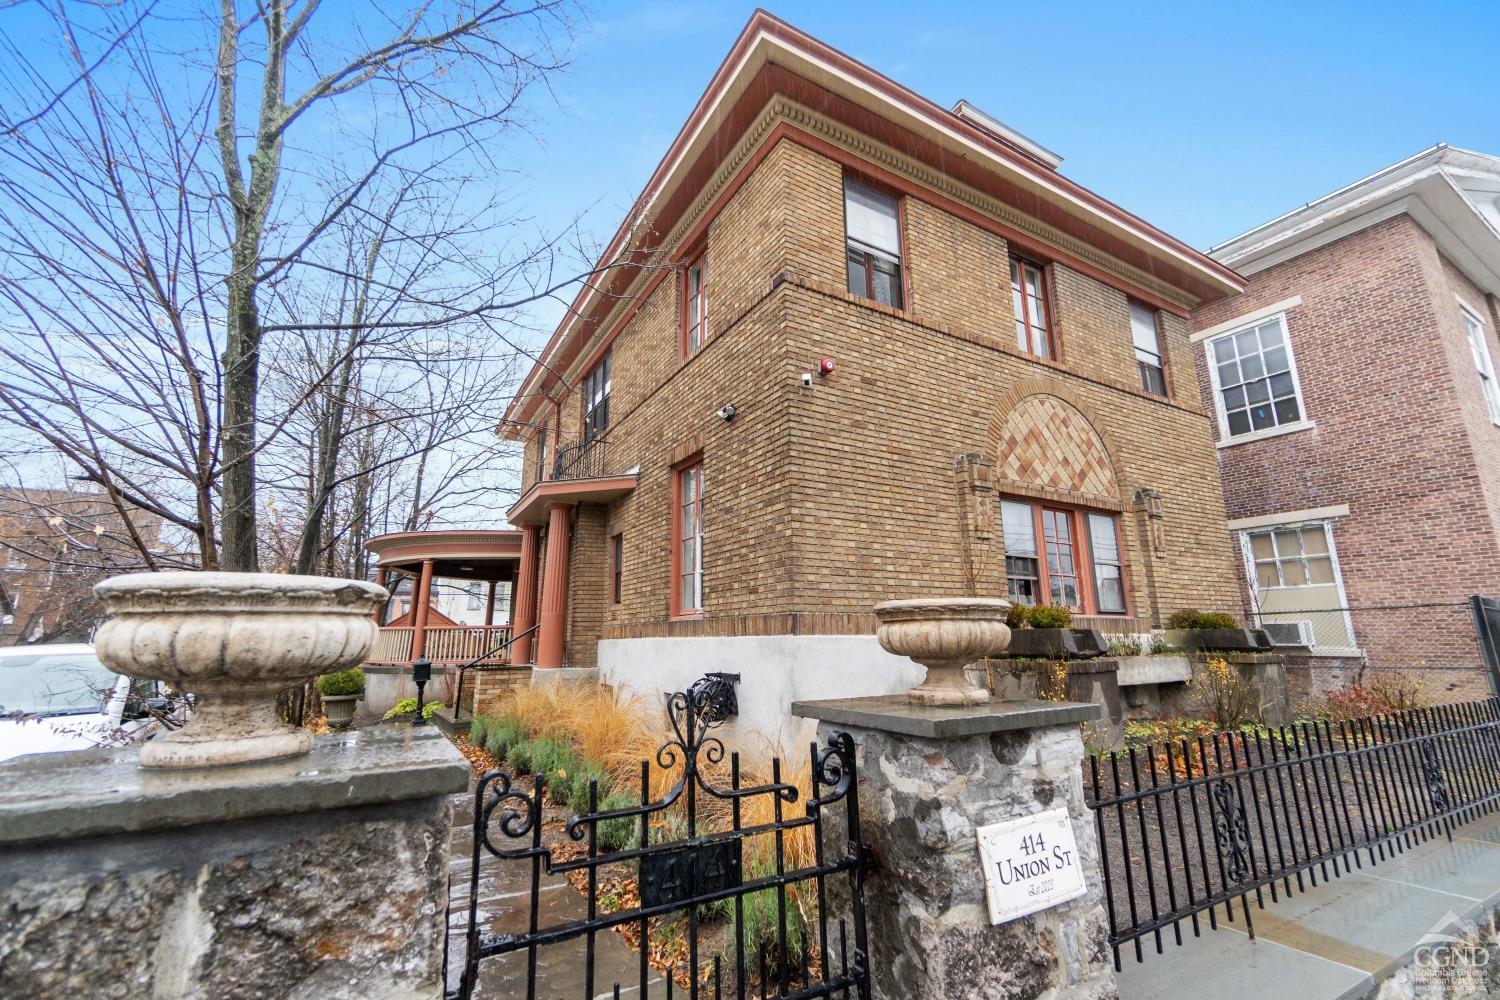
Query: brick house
(1357, 414)
(879, 349)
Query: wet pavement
(505, 899)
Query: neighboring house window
(1146, 335)
(1255, 378)
(687, 537)
(616, 564)
(476, 599)
(541, 453)
(596, 400)
(694, 307)
(872, 231)
(1295, 556)
(1045, 559)
(1480, 348)
(1028, 289)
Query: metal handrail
(458, 693)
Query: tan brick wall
(822, 501)
(493, 687)
(1386, 377)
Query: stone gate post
(932, 781)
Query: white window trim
(1238, 323)
(1298, 519)
(1226, 440)
(1484, 350)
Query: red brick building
(867, 348)
(1357, 413)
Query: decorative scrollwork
(1231, 829)
(833, 768)
(1432, 773)
(521, 816)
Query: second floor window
(1254, 378)
(541, 452)
(596, 400)
(872, 230)
(1028, 289)
(1062, 556)
(694, 308)
(1480, 348)
(1146, 336)
(687, 536)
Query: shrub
(1048, 616)
(1052, 680)
(1193, 618)
(588, 771)
(500, 735)
(477, 727)
(761, 919)
(1125, 646)
(622, 833)
(351, 681)
(1225, 695)
(403, 706)
(1016, 616)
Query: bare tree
(194, 209)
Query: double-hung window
(1480, 348)
(616, 567)
(541, 452)
(694, 307)
(1063, 556)
(1293, 556)
(872, 236)
(1028, 290)
(1146, 335)
(687, 539)
(596, 400)
(1255, 378)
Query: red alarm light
(826, 366)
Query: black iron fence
(705, 870)
(582, 459)
(1188, 827)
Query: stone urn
(234, 640)
(340, 709)
(945, 635)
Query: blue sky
(1205, 118)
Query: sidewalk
(1335, 941)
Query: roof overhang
(535, 503)
(476, 555)
(1452, 193)
(770, 56)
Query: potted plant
(1194, 630)
(1045, 631)
(340, 691)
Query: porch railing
(1189, 827)
(582, 460)
(444, 643)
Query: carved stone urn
(233, 640)
(945, 635)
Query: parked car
(60, 697)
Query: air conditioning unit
(1298, 633)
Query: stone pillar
(523, 598)
(325, 875)
(554, 616)
(421, 604)
(929, 777)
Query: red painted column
(380, 578)
(423, 601)
(554, 616)
(523, 598)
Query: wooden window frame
(677, 610)
(1083, 554)
(616, 567)
(1161, 352)
(586, 433)
(1049, 299)
(903, 287)
(1221, 411)
(1477, 335)
(695, 261)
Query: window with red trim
(1029, 293)
(1066, 556)
(872, 237)
(694, 306)
(596, 386)
(687, 540)
(541, 453)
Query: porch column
(422, 598)
(554, 617)
(489, 615)
(523, 599)
(380, 578)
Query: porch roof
(455, 555)
(533, 505)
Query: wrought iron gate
(679, 879)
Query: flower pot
(234, 640)
(945, 635)
(1057, 643)
(340, 709)
(1244, 639)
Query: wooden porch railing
(444, 644)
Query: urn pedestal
(233, 640)
(945, 635)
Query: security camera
(725, 412)
(807, 380)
